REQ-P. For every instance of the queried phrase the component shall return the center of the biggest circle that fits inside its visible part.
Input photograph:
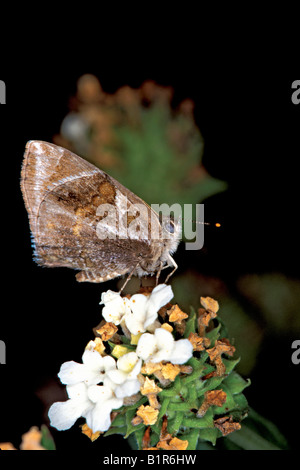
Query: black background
(251, 130)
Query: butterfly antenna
(217, 224)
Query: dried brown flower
(149, 387)
(220, 347)
(89, 89)
(166, 440)
(97, 345)
(178, 444)
(170, 371)
(107, 331)
(211, 397)
(150, 367)
(209, 304)
(146, 439)
(226, 425)
(204, 317)
(31, 440)
(148, 414)
(7, 446)
(89, 433)
(163, 311)
(199, 342)
(184, 369)
(176, 315)
(136, 421)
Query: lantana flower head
(100, 383)
(104, 388)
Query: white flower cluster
(100, 384)
(139, 312)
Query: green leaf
(208, 368)
(47, 440)
(194, 362)
(195, 375)
(124, 340)
(241, 402)
(214, 334)
(154, 438)
(116, 430)
(200, 423)
(210, 434)
(236, 383)
(156, 428)
(192, 437)
(204, 445)
(175, 423)
(190, 326)
(192, 396)
(164, 406)
(128, 346)
(119, 421)
(266, 428)
(130, 427)
(183, 406)
(230, 364)
(223, 330)
(173, 390)
(135, 440)
(248, 439)
(210, 384)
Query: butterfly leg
(129, 277)
(158, 272)
(172, 263)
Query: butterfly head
(171, 228)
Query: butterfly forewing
(63, 194)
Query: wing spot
(107, 193)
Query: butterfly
(82, 218)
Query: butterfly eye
(167, 223)
(169, 226)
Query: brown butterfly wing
(62, 193)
